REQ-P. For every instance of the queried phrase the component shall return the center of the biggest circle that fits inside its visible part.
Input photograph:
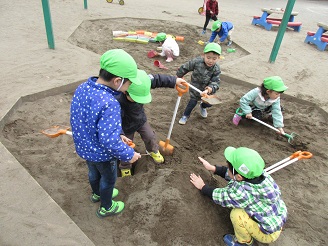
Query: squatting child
(265, 101)
(170, 47)
(223, 30)
(205, 76)
(258, 211)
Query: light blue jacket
(254, 98)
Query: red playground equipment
(121, 2)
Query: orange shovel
(164, 147)
(56, 131)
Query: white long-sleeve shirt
(171, 44)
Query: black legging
(207, 20)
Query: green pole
(47, 21)
(281, 31)
(85, 4)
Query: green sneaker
(95, 198)
(116, 208)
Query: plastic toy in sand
(121, 2)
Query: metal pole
(85, 4)
(47, 21)
(281, 31)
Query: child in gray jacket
(205, 76)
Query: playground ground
(30, 216)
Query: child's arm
(218, 170)
(246, 100)
(224, 35)
(215, 81)
(162, 80)
(277, 116)
(213, 35)
(185, 68)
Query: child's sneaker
(170, 59)
(183, 120)
(116, 208)
(95, 198)
(203, 111)
(203, 32)
(229, 43)
(231, 240)
(158, 158)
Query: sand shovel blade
(165, 148)
(211, 99)
(55, 131)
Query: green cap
(214, 47)
(247, 162)
(216, 25)
(121, 64)
(274, 83)
(141, 93)
(160, 37)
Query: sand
(162, 206)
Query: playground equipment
(121, 2)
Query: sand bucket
(157, 63)
(151, 54)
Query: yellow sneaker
(126, 172)
(158, 158)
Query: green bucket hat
(214, 47)
(121, 64)
(141, 93)
(216, 25)
(274, 83)
(160, 37)
(247, 162)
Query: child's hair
(264, 90)
(105, 75)
(234, 171)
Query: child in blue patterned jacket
(96, 127)
(258, 211)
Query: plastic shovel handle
(263, 123)
(68, 133)
(273, 128)
(299, 155)
(182, 91)
(283, 161)
(195, 88)
(174, 116)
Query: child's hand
(209, 89)
(197, 181)
(281, 131)
(249, 116)
(125, 139)
(207, 165)
(179, 82)
(135, 157)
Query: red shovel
(157, 63)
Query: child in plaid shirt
(258, 212)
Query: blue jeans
(191, 104)
(102, 178)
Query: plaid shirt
(262, 202)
